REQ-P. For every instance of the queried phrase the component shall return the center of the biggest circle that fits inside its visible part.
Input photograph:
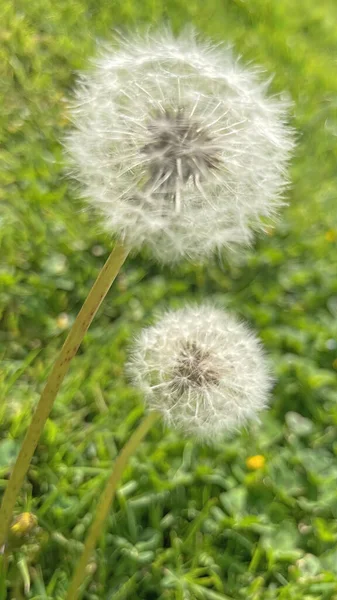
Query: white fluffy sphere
(177, 145)
(202, 369)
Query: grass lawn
(189, 522)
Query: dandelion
(256, 462)
(177, 145)
(331, 235)
(62, 321)
(202, 369)
(205, 373)
(23, 524)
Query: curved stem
(59, 370)
(105, 502)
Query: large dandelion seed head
(177, 145)
(202, 369)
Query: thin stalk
(3, 573)
(105, 502)
(59, 370)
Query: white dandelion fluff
(202, 369)
(177, 145)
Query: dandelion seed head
(204, 370)
(178, 145)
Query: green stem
(105, 502)
(3, 573)
(59, 370)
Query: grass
(189, 521)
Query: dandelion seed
(177, 145)
(202, 369)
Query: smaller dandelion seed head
(202, 369)
(178, 145)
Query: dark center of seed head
(179, 148)
(194, 368)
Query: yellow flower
(331, 236)
(255, 462)
(23, 524)
(62, 321)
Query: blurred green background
(189, 522)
